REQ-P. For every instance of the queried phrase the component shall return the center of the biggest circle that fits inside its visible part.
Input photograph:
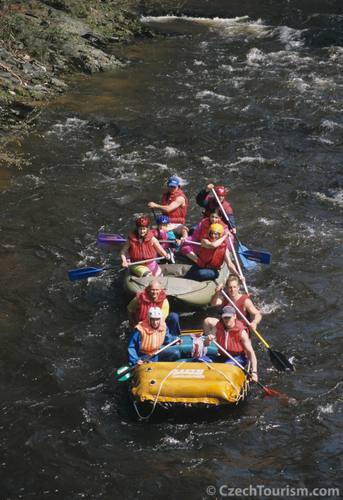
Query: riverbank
(43, 42)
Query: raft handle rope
(146, 417)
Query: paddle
(267, 390)
(277, 358)
(118, 239)
(123, 373)
(241, 248)
(88, 272)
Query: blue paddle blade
(84, 273)
(258, 256)
(246, 263)
(112, 239)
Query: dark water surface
(246, 102)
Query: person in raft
(233, 336)
(174, 204)
(212, 254)
(142, 245)
(242, 301)
(201, 231)
(153, 296)
(206, 200)
(148, 337)
(162, 232)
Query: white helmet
(154, 313)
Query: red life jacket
(212, 205)
(151, 340)
(230, 340)
(177, 216)
(204, 227)
(141, 249)
(239, 303)
(145, 302)
(212, 258)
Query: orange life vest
(177, 216)
(230, 340)
(145, 302)
(151, 340)
(141, 249)
(212, 258)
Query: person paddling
(174, 204)
(153, 296)
(201, 231)
(206, 200)
(242, 301)
(142, 245)
(148, 337)
(232, 335)
(212, 254)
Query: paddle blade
(84, 273)
(246, 263)
(110, 239)
(123, 373)
(257, 256)
(270, 392)
(280, 361)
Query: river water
(250, 102)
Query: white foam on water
(290, 37)
(209, 94)
(325, 410)
(299, 84)
(171, 152)
(267, 222)
(276, 305)
(325, 141)
(255, 57)
(196, 62)
(110, 144)
(34, 180)
(90, 156)
(330, 125)
(216, 22)
(335, 199)
(70, 125)
(249, 159)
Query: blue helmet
(162, 220)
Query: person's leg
(172, 354)
(173, 324)
(200, 274)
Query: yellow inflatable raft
(189, 383)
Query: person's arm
(202, 196)
(165, 309)
(179, 202)
(230, 264)
(213, 244)
(124, 253)
(253, 312)
(217, 299)
(160, 250)
(133, 347)
(248, 348)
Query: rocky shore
(44, 41)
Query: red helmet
(142, 222)
(220, 190)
